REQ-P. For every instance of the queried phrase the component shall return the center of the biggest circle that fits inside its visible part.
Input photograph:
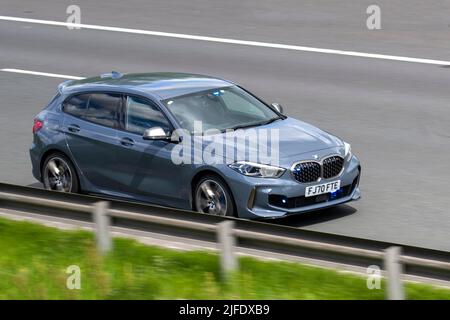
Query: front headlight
(257, 170)
(347, 151)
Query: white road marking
(228, 41)
(44, 74)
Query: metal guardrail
(398, 260)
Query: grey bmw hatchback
(120, 135)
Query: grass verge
(34, 260)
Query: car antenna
(113, 75)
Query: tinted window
(100, 108)
(141, 115)
(77, 105)
(103, 109)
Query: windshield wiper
(271, 120)
(257, 124)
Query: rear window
(99, 108)
(77, 105)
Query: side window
(103, 109)
(141, 115)
(99, 108)
(77, 105)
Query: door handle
(73, 128)
(127, 142)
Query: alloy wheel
(211, 198)
(58, 175)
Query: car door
(145, 166)
(90, 125)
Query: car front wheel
(213, 196)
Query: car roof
(165, 85)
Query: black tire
(66, 163)
(230, 208)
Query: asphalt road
(395, 114)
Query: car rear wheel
(59, 174)
(213, 196)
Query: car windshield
(221, 109)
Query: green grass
(34, 259)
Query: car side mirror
(155, 133)
(278, 107)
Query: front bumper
(273, 198)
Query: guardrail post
(102, 223)
(393, 267)
(227, 243)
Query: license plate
(323, 188)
